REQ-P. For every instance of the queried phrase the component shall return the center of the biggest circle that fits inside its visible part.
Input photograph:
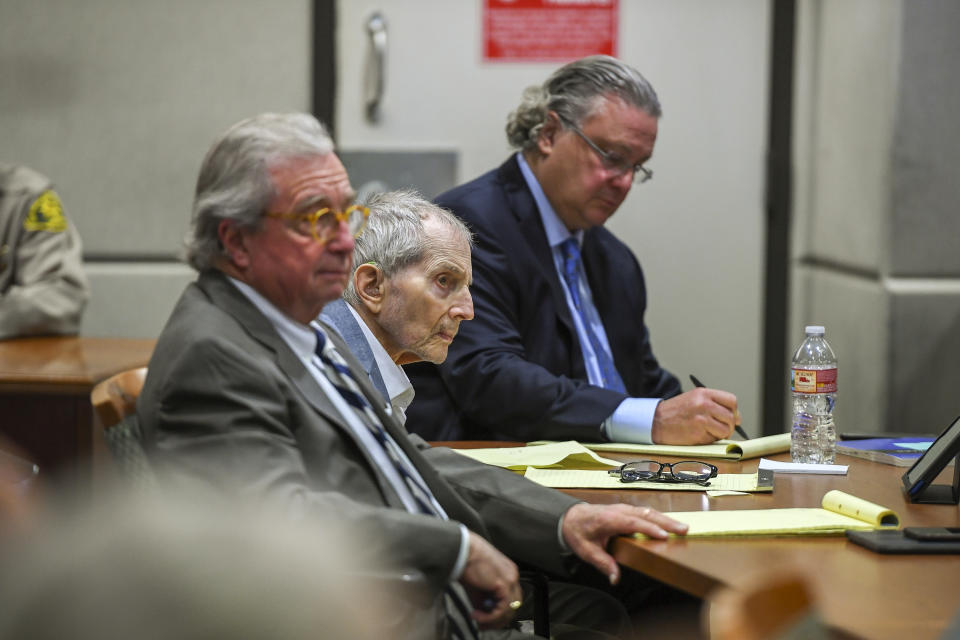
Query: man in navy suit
(559, 349)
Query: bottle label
(814, 381)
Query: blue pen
(743, 434)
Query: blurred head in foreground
(155, 570)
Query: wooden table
(857, 592)
(45, 386)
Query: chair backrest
(115, 401)
(779, 607)
(116, 397)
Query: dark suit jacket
(229, 405)
(516, 371)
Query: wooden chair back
(116, 397)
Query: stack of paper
(841, 511)
(728, 449)
(557, 455)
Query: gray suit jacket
(337, 314)
(228, 404)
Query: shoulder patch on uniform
(46, 214)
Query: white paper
(801, 467)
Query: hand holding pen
(743, 434)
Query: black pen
(743, 434)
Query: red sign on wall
(548, 30)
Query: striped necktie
(339, 374)
(570, 250)
(458, 608)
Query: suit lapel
(338, 316)
(231, 300)
(525, 209)
(452, 503)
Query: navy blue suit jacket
(516, 371)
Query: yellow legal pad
(586, 479)
(556, 455)
(841, 511)
(729, 449)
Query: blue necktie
(460, 622)
(571, 274)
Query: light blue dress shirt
(632, 420)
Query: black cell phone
(942, 534)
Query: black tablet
(917, 479)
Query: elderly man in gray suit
(247, 395)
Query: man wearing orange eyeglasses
(248, 396)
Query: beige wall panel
(855, 98)
(133, 300)
(925, 355)
(118, 101)
(925, 226)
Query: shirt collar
(299, 337)
(557, 232)
(394, 379)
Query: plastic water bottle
(813, 380)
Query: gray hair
(394, 237)
(572, 91)
(234, 181)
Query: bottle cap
(815, 329)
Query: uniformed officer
(43, 289)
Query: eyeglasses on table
(652, 471)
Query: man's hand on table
(587, 528)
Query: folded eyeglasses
(653, 471)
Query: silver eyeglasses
(653, 471)
(612, 162)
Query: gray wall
(117, 101)
(877, 224)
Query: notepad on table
(732, 450)
(587, 479)
(840, 511)
(556, 455)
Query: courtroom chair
(115, 401)
(116, 397)
(768, 607)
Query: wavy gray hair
(394, 237)
(572, 92)
(234, 181)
